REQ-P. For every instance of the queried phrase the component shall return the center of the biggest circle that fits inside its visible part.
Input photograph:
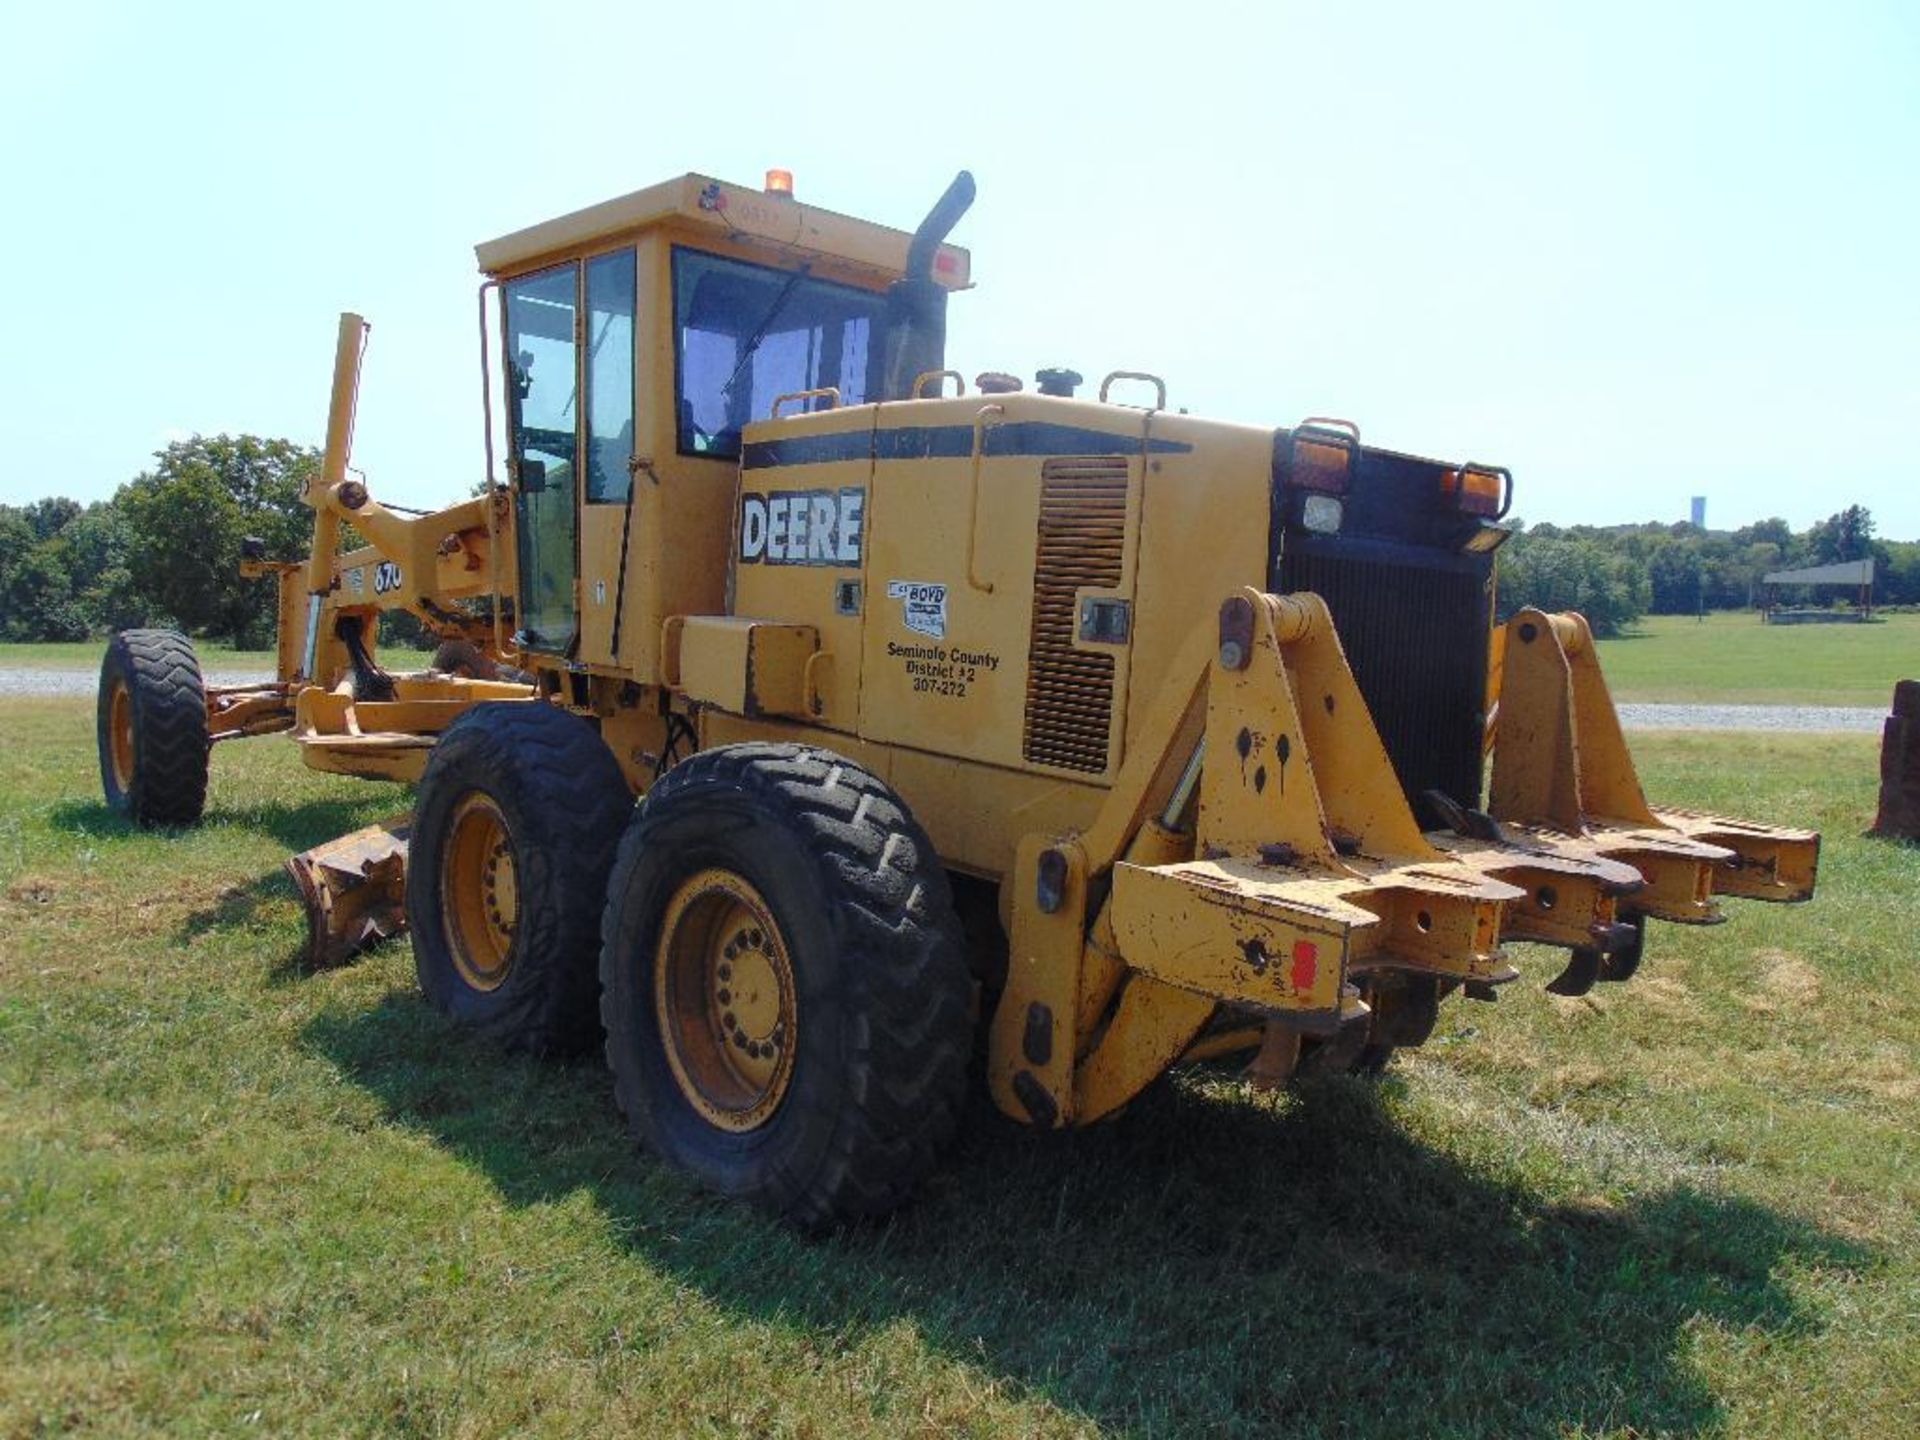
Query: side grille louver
(1082, 537)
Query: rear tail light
(1320, 455)
(1484, 490)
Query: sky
(1634, 252)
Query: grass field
(237, 1197)
(85, 655)
(1725, 659)
(1732, 658)
(214, 655)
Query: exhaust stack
(916, 304)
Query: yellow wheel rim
(120, 735)
(479, 892)
(724, 995)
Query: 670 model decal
(802, 527)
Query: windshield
(745, 335)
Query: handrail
(920, 382)
(1329, 422)
(973, 495)
(493, 497)
(814, 694)
(831, 392)
(1159, 385)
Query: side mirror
(533, 477)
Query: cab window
(542, 385)
(746, 334)
(609, 376)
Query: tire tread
(171, 744)
(573, 805)
(893, 904)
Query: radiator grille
(1415, 637)
(1083, 528)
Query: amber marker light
(780, 182)
(1478, 491)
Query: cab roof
(731, 211)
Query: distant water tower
(1699, 512)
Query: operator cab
(636, 340)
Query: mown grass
(85, 655)
(1731, 658)
(1728, 658)
(214, 655)
(234, 1195)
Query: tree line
(1614, 574)
(165, 550)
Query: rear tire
(518, 815)
(151, 728)
(826, 1088)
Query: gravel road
(86, 682)
(1634, 717)
(1750, 717)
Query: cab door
(612, 526)
(543, 344)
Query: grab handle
(973, 495)
(939, 377)
(828, 392)
(1159, 385)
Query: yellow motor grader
(1132, 737)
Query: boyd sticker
(802, 527)
(926, 606)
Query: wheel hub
(120, 735)
(502, 888)
(480, 892)
(725, 997)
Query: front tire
(518, 815)
(783, 983)
(151, 728)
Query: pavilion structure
(1854, 575)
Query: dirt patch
(97, 900)
(1578, 1009)
(1786, 982)
(1566, 1082)
(1664, 995)
(33, 890)
(1516, 1052)
(1886, 1076)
